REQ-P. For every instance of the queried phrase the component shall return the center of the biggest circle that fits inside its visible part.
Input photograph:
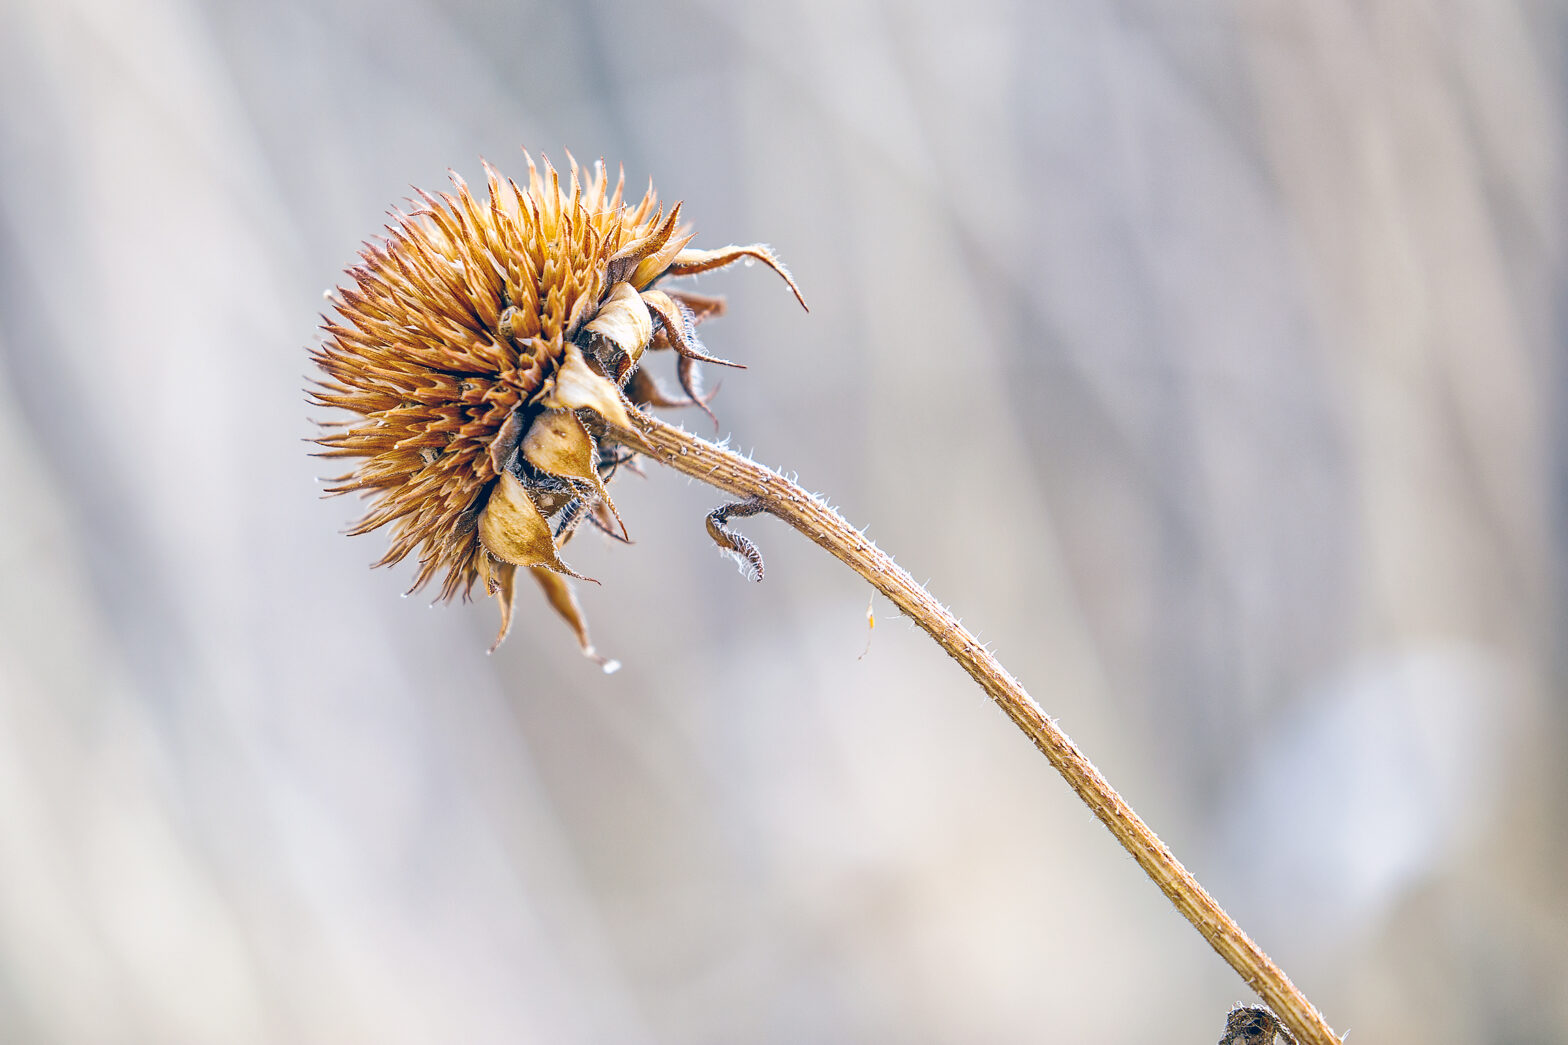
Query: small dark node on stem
(737, 543)
(1254, 1025)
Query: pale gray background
(1206, 357)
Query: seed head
(484, 348)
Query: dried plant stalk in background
(490, 353)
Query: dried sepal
(558, 592)
(656, 263)
(702, 307)
(644, 390)
(675, 322)
(512, 529)
(504, 445)
(623, 320)
(577, 387)
(690, 377)
(607, 521)
(500, 581)
(691, 262)
(631, 254)
(560, 445)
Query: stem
(743, 478)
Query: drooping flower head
(483, 347)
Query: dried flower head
(484, 348)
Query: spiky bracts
(481, 346)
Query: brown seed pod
(479, 350)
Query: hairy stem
(766, 490)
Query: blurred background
(1205, 357)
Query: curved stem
(778, 496)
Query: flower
(483, 349)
